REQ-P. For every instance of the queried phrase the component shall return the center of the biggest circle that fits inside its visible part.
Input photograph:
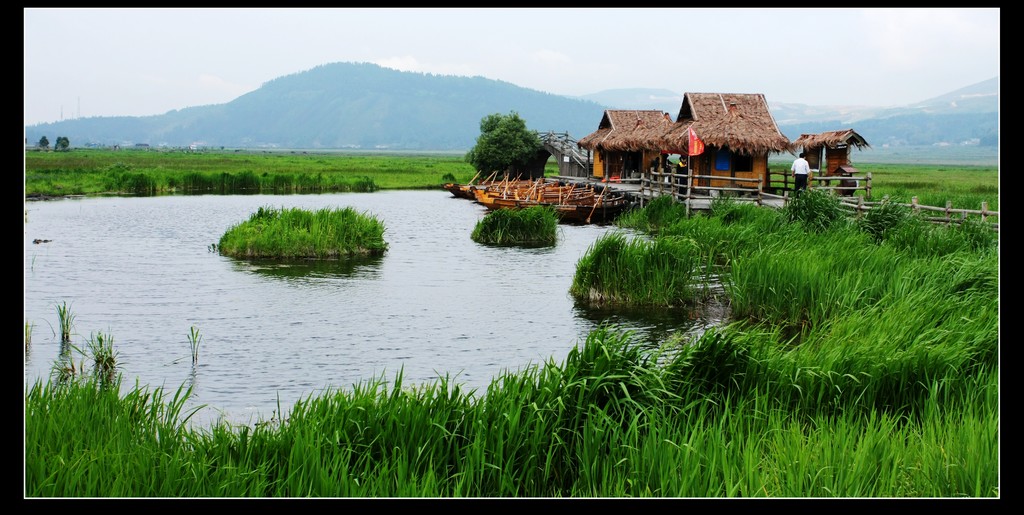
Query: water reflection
(650, 325)
(350, 267)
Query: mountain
(366, 106)
(341, 106)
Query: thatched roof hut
(830, 151)
(831, 139)
(740, 122)
(627, 130)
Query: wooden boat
(572, 203)
(602, 211)
(461, 190)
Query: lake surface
(141, 271)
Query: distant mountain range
(367, 107)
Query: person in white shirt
(800, 170)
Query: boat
(573, 203)
(465, 191)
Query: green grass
(534, 226)
(294, 233)
(134, 172)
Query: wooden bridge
(572, 160)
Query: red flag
(696, 146)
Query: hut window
(723, 159)
(742, 163)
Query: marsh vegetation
(860, 359)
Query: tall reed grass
(194, 340)
(727, 414)
(29, 329)
(66, 321)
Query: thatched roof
(831, 139)
(739, 121)
(627, 130)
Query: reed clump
(663, 271)
(296, 233)
(534, 226)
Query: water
(140, 271)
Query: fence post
(984, 210)
(867, 186)
(949, 206)
(913, 205)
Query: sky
(86, 62)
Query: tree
(504, 144)
(62, 144)
(44, 143)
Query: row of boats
(572, 202)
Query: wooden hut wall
(761, 168)
(836, 157)
(699, 165)
(726, 163)
(813, 157)
(599, 163)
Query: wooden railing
(843, 185)
(572, 161)
(949, 215)
(684, 187)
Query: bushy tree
(504, 144)
(62, 144)
(44, 143)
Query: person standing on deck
(801, 169)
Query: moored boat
(573, 203)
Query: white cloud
(550, 58)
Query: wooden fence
(686, 188)
(948, 215)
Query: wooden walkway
(634, 191)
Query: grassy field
(149, 172)
(85, 172)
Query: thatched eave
(832, 139)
